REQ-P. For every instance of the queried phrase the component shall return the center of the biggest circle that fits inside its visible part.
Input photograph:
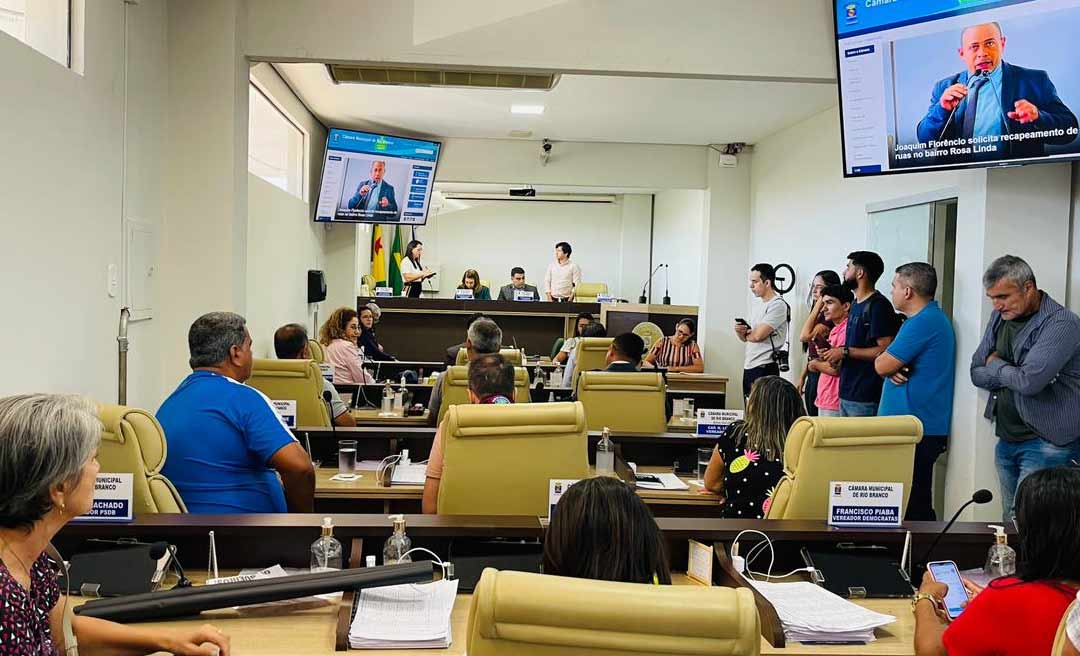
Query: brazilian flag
(397, 252)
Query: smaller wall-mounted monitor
(376, 178)
(933, 84)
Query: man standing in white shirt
(767, 331)
(562, 275)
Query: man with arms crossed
(919, 368)
(562, 275)
(767, 331)
(871, 327)
(1029, 360)
(227, 445)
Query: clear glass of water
(346, 457)
(703, 457)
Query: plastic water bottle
(605, 454)
(398, 544)
(556, 376)
(1001, 559)
(326, 551)
(386, 408)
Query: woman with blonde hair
(471, 280)
(748, 460)
(339, 335)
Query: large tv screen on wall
(376, 178)
(933, 84)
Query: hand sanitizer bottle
(605, 454)
(326, 551)
(1001, 559)
(398, 544)
(556, 376)
(386, 409)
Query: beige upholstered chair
(316, 350)
(1061, 639)
(513, 448)
(525, 614)
(631, 402)
(293, 380)
(455, 388)
(513, 356)
(132, 442)
(820, 450)
(586, 292)
(589, 354)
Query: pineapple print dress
(749, 479)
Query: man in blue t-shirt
(226, 444)
(919, 369)
(871, 327)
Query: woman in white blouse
(413, 273)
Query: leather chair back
(824, 449)
(1061, 638)
(133, 442)
(515, 449)
(590, 354)
(317, 352)
(513, 356)
(623, 401)
(526, 614)
(293, 380)
(586, 292)
(455, 389)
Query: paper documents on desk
(811, 613)
(412, 474)
(410, 616)
(667, 482)
(273, 572)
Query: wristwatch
(847, 351)
(919, 596)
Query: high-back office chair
(316, 350)
(1062, 635)
(133, 442)
(631, 402)
(557, 346)
(513, 356)
(649, 332)
(590, 354)
(526, 614)
(824, 449)
(586, 292)
(455, 389)
(498, 459)
(293, 380)
(369, 280)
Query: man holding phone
(766, 332)
(919, 368)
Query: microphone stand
(945, 530)
(667, 285)
(328, 398)
(648, 285)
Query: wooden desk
(371, 417)
(365, 493)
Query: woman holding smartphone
(1014, 615)
(815, 336)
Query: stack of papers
(411, 474)
(811, 613)
(667, 481)
(410, 616)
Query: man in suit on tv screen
(996, 103)
(375, 194)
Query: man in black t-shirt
(872, 325)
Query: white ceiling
(659, 110)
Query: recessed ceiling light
(526, 109)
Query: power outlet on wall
(112, 280)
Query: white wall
(63, 202)
(282, 240)
(494, 236)
(678, 229)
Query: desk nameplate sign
(865, 503)
(463, 295)
(112, 499)
(714, 421)
(384, 292)
(524, 295)
(286, 409)
(327, 371)
(556, 488)
(605, 298)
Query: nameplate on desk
(463, 295)
(112, 499)
(556, 488)
(865, 503)
(524, 295)
(286, 409)
(327, 371)
(605, 298)
(714, 421)
(384, 292)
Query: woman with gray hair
(48, 464)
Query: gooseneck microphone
(328, 398)
(667, 285)
(158, 549)
(980, 497)
(643, 298)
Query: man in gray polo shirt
(1029, 360)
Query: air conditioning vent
(434, 77)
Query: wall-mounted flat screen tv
(933, 84)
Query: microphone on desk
(328, 399)
(667, 285)
(643, 298)
(159, 549)
(980, 497)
